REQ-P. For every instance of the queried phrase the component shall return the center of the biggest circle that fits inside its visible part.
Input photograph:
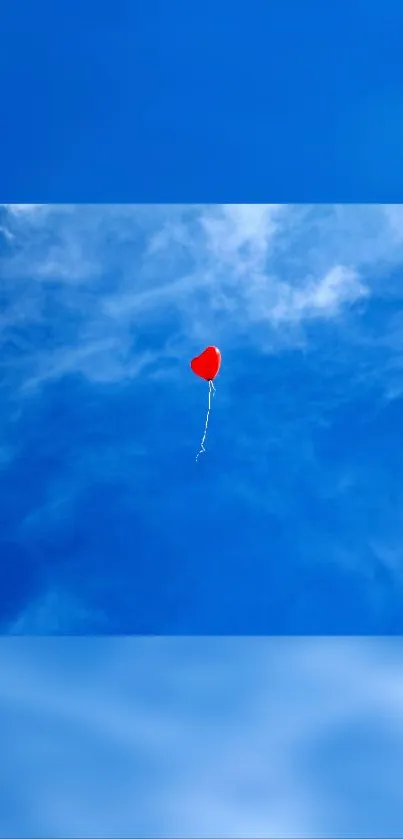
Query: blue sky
(209, 101)
(154, 737)
(291, 522)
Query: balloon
(207, 364)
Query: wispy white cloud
(23, 209)
(324, 297)
(215, 269)
(117, 293)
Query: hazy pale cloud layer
(201, 737)
(292, 520)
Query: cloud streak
(101, 310)
(106, 269)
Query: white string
(211, 392)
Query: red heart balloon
(207, 364)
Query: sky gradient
(291, 521)
(159, 737)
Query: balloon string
(211, 392)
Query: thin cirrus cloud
(99, 269)
(102, 308)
